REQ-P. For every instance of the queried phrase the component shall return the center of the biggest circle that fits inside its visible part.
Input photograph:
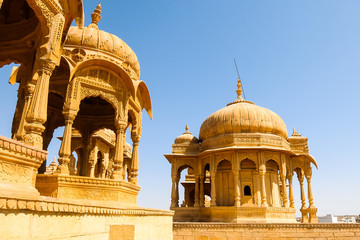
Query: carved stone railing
(18, 166)
(86, 188)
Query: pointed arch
(108, 65)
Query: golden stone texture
(245, 162)
(88, 81)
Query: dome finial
(96, 17)
(187, 129)
(239, 91)
(295, 133)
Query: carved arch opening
(224, 184)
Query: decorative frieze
(56, 206)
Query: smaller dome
(186, 137)
(92, 38)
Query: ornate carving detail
(58, 206)
(18, 147)
(223, 226)
(77, 54)
(15, 173)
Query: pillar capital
(120, 125)
(46, 65)
(308, 173)
(135, 137)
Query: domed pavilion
(96, 87)
(241, 168)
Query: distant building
(347, 219)
(328, 218)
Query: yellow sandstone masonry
(227, 231)
(241, 169)
(88, 81)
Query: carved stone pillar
(262, 172)
(93, 161)
(312, 209)
(197, 181)
(174, 202)
(135, 159)
(29, 91)
(291, 189)
(65, 149)
(177, 190)
(119, 151)
(37, 114)
(285, 199)
(284, 189)
(84, 158)
(213, 188)
(236, 189)
(303, 210)
(308, 175)
(202, 194)
(105, 165)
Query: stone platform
(235, 214)
(113, 192)
(50, 218)
(69, 207)
(268, 231)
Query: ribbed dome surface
(242, 117)
(186, 138)
(100, 40)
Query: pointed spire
(239, 91)
(295, 133)
(96, 17)
(54, 163)
(187, 129)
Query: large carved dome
(242, 118)
(93, 38)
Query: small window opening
(247, 191)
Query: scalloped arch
(108, 65)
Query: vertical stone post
(29, 91)
(65, 148)
(213, 188)
(262, 172)
(312, 209)
(197, 180)
(291, 189)
(84, 158)
(105, 165)
(135, 159)
(119, 151)
(236, 189)
(303, 210)
(93, 161)
(202, 194)
(37, 114)
(283, 182)
(174, 200)
(177, 189)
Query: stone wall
(270, 231)
(50, 218)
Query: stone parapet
(235, 214)
(50, 218)
(18, 166)
(267, 231)
(86, 188)
(47, 205)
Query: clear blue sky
(298, 58)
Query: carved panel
(15, 173)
